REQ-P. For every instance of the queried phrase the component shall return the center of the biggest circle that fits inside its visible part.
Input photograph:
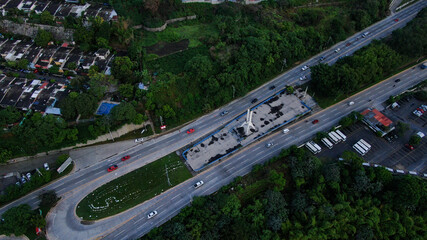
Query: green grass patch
(175, 63)
(180, 31)
(133, 188)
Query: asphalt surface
(62, 221)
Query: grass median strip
(133, 188)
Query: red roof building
(377, 121)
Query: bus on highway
(327, 143)
(341, 135)
(333, 138)
(359, 150)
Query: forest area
(297, 196)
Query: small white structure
(248, 123)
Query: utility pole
(284, 64)
(234, 90)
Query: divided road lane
(243, 161)
(63, 222)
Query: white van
(285, 131)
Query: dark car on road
(272, 87)
(254, 100)
(125, 158)
(112, 168)
(397, 80)
(315, 121)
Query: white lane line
(175, 197)
(80, 180)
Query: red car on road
(396, 20)
(125, 158)
(315, 121)
(191, 130)
(112, 168)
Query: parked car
(28, 175)
(46, 166)
(315, 121)
(224, 113)
(191, 130)
(139, 140)
(152, 214)
(254, 100)
(198, 184)
(304, 68)
(410, 147)
(112, 168)
(125, 158)
(23, 180)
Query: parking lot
(389, 151)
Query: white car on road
(139, 140)
(152, 214)
(304, 68)
(270, 144)
(337, 50)
(198, 184)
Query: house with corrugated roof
(377, 121)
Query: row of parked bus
(362, 147)
(334, 137)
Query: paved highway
(241, 163)
(130, 224)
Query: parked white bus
(311, 148)
(365, 143)
(341, 135)
(359, 150)
(362, 146)
(319, 149)
(333, 138)
(337, 136)
(327, 143)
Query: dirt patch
(164, 48)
